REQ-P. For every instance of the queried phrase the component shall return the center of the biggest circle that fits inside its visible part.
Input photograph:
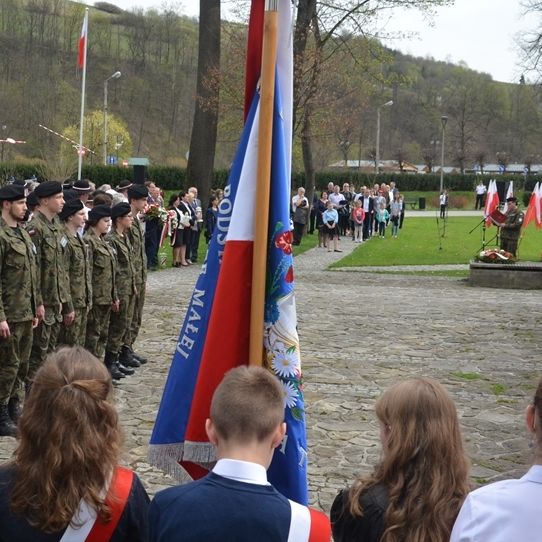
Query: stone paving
(361, 332)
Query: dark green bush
(174, 178)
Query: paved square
(360, 332)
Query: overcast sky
(480, 33)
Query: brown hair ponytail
(70, 441)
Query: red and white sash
(308, 525)
(88, 528)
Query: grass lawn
(418, 244)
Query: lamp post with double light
(443, 120)
(116, 75)
(377, 164)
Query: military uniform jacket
(136, 237)
(512, 225)
(19, 293)
(125, 275)
(103, 269)
(50, 241)
(79, 271)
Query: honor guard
(73, 217)
(104, 290)
(50, 241)
(121, 215)
(137, 196)
(20, 304)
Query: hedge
(168, 178)
(410, 182)
(174, 178)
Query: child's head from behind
(247, 406)
(358, 203)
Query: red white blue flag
(215, 334)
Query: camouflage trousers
(132, 331)
(118, 324)
(14, 354)
(97, 329)
(510, 245)
(75, 334)
(44, 339)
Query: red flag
(531, 208)
(538, 205)
(492, 201)
(81, 57)
(254, 51)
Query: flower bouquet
(495, 255)
(154, 211)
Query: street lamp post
(377, 164)
(443, 120)
(116, 75)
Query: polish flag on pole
(492, 201)
(538, 205)
(81, 57)
(534, 210)
(530, 213)
(509, 194)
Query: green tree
(119, 142)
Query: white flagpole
(83, 85)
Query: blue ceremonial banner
(288, 471)
(215, 334)
(168, 436)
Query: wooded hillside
(157, 55)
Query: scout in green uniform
(511, 229)
(104, 290)
(20, 305)
(50, 241)
(78, 265)
(121, 215)
(137, 197)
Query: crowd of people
(65, 481)
(337, 213)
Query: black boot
(139, 358)
(126, 358)
(7, 427)
(110, 361)
(127, 371)
(15, 409)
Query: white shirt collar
(534, 474)
(242, 471)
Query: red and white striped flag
(509, 194)
(492, 201)
(81, 57)
(533, 209)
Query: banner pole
(83, 86)
(263, 180)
